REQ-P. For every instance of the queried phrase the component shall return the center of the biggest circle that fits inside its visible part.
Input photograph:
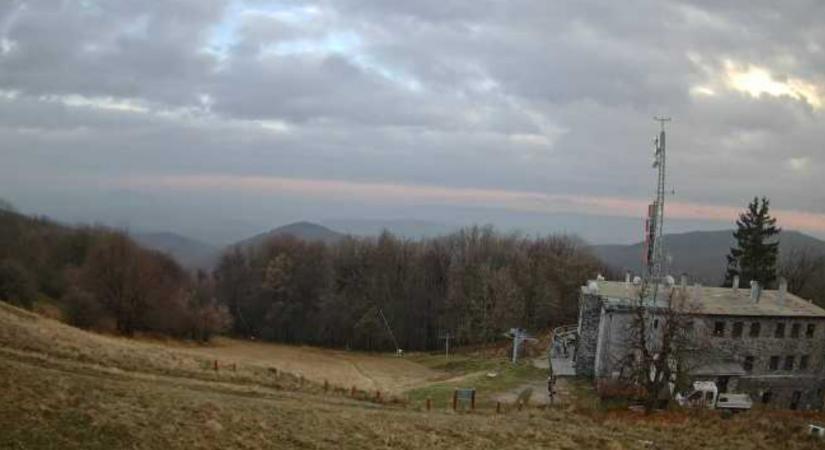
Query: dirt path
(538, 396)
(364, 371)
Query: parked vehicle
(705, 394)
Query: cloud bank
(531, 106)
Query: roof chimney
(783, 290)
(756, 291)
(735, 284)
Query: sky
(219, 119)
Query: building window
(795, 330)
(803, 362)
(789, 362)
(719, 329)
(755, 328)
(780, 331)
(737, 329)
(748, 364)
(809, 332)
(766, 397)
(774, 363)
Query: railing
(563, 336)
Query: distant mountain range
(190, 253)
(307, 231)
(403, 228)
(194, 254)
(699, 254)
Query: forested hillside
(363, 293)
(474, 284)
(101, 279)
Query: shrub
(16, 284)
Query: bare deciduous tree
(660, 340)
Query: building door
(797, 395)
(722, 384)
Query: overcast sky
(218, 119)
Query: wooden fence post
(455, 400)
(498, 407)
(216, 365)
(429, 403)
(352, 392)
(473, 401)
(326, 385)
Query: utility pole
(446, 338)
(519, 336)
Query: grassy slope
(63, 388)
(472, 372)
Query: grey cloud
(529, 95)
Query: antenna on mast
(655, 251)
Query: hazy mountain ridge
(307, 231)
(699, 254)
(188, 252)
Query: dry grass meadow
(64, 388)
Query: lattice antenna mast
(656, 260)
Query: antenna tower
(656, 214)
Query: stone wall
(761, 378)
(590, 308)
(602, 343)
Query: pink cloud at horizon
(523, 201)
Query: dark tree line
(475, 284)
(755, 255)
(804, 271)
(101, 279)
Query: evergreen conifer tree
(754, 256)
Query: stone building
(766, 343)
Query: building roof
(714, 300)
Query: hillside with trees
(367, 293)
(101, 279)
